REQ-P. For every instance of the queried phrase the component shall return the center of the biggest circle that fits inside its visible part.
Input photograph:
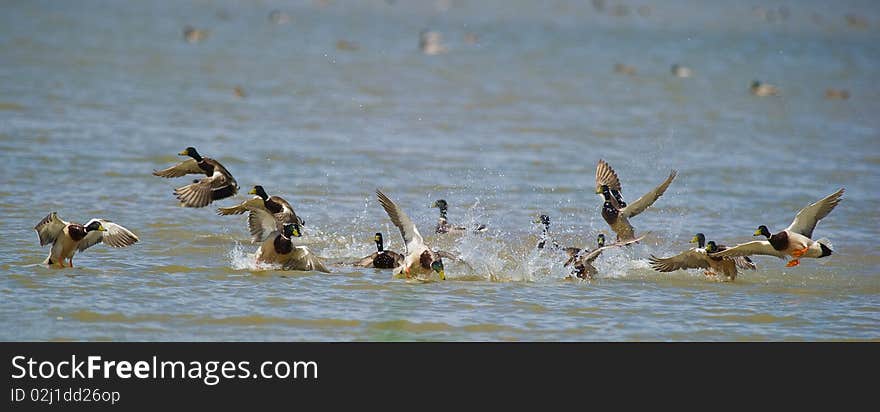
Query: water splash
(241, 259)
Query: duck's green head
(543, 219)
(191, 152)
(756, 84)
(378, 239)
(95, 225)
(699, 239)
(711, 247)
(292, 230)
(259, 191)
(600, 240)
(762, 231)
(437, 266)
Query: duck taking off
(700, 258)
(266, 214)
(219, 183)
(381, 258)
(583, 259)
(796, 240)
(68, 238)
(418, 259)
(616, 212)
(279, 249)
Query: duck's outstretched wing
(808, 217)
(367, 261)
(186, 167)
(411, 236)
(648, 199)
(49, 228)
(113, 235)
(689, 259)
(202, 193)
(606, 176)
(757, 247)
(260, 221)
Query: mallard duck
(840, 94)
(621, 68)
(795, 240)
(616, 212)
(279, 249)
(681, 71)
(67, 238)
(443, 225)
(699, 258)
(419, 260)
(194, 35)
(544, 220)
(219, 183)
(583, 259)
(431, 42)
(266, 213)
(763, 89)
(381, 258)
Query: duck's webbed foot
(793, 263)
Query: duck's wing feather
(246, 206)
(228, 179)
(114, 235)
(572, 253)
(606, 176)
(808, 217)
(49, 228)
(757, 247)
(186, 167)
(287, 214)
(367, 261)
(742, 262)
(211, 188)
(649, 198)
(689, 259)
(260, 221)
(411, 236)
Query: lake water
(506, 125)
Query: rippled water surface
(95, 95)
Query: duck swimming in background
(419, 260)
(763, 89)
(67, 238)
(443, 225)
(795, 240)
(431, 42)
(266, 213)
(279, 249)
(832, 94)
(621, 68)
(681, 71)
(194, 35)
(699, 258)
(219, 183)
(381, 258)
(614, 211)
